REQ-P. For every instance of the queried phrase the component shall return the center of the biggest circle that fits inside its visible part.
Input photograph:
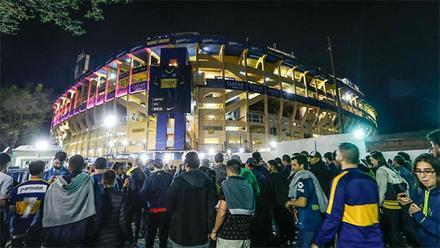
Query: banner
(170, 89)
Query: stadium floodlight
(273, 144)
(124, 142)
(201, 155)
(359, 134)
(110, 121)
(241, 150)
(228, 151)
(42, 144)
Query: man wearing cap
(153, 192)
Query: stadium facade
(187, 91)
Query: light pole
(109, 122)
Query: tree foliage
(67, 14)
(22, 112)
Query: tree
(22, 112)
(66, 14)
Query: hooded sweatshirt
(191, 202)
(428, 220)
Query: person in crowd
(390, 183)
(259, 159)
(191, 202)
(6, 186)
(113, 229)
(136, 178)
(235, 208)
(153, 192)
(331, 163)
(205, 166)
(280, 213)
(100, 165)
(70, 208)
(118, 167)
(424, 209)
(287, 166)
(26, 204)
(261, 226)
(319, 168)
(352, 213)
(280, 165)
(399, 165)
(407, 159)
(434, 138)
(247, 173)
(308, 198)
(57, 168)
(219, 168)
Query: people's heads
(299, 162)
(108, 178)
(250, 163)
(192, 160)
(286, 159)
(100, 163)
(427, 170)
(5, 159)
(273, 165)
(59, 159)
(233, 167)
(328, 156)
(257, 157)
(347, 153)
(305, 153)
(368, 161)
(236, 157)
(158, 164)
(118, 167)
(377, 159)
(218, 158)
(405, 156)
(434, 138)
(316, 154)
(36, 168)
(398, 160)
(205, 162)
(76, 164)
(139, 163)
(279, 161)
(129, 165)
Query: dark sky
(391, 50)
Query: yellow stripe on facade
(361, 215)
(333, 191)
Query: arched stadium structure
(186, 91)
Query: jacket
(114, 230)
(137, 178)
(387, 179)
(428, 220)
(239, 196)
(352, 212)
(52, 172)
(154, 190)
(246, 173)
(191, 203)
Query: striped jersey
(28, 199)
(353, 212)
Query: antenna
(336, 84)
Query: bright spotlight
(211, 151)
(110, 121)
(124, 142)
(241, 150)
(229, 151)
(144, 158)
(42, 144)
(202, 155)
(273, 144)
(359, 134)
(167, 157)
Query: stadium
(187, 91)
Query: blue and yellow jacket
(352, 212)
(428, 220)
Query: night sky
(391, 50)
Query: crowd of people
(301, 200)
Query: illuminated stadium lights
(347, 97)
(124, 142)
(242, 73)
(110, 121)
(273, 144)
(359, 134)
(211, 151)
(112, 76)
(42, 144)
(229, 151)
(241, 150)
(201, 155)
